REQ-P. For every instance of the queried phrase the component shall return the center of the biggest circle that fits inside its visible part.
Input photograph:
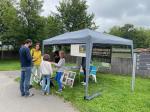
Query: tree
(21, 19)
(73, 15)
(32, 24)
(53, 26)
(138, 35)
(8, 22)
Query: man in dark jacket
(26, 62)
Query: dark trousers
(84, 71)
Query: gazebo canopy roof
(87, 36)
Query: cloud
(118, 12)
(118, 8)
(113, 12)
(49, 6)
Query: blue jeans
(46, 84)
(25, 80)
(58, 79)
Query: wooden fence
(119, 65)
(9, 55)
(124, 66)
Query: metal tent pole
(133, 69)
(89, 46)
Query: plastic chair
(93, 70)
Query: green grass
(8, 65)
(116, 95)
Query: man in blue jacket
(26, 62)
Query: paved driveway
(11, 101)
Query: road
(11, 101)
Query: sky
(112, 12)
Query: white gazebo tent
(89, 37)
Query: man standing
(26, 61)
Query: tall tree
(8, 21)
(32, 23)
(53, 26)
(74, 16)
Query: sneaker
(22, 95)
(30, 95)
(59, 91)
(43, 93)
(47, 94)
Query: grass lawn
(116, 95)
(8, 65)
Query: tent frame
(89, 45)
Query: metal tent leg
(92, 96)
(133, 69)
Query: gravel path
(11, 101)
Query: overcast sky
(112, 12)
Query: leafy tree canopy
(73, 15)
(140, 36)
